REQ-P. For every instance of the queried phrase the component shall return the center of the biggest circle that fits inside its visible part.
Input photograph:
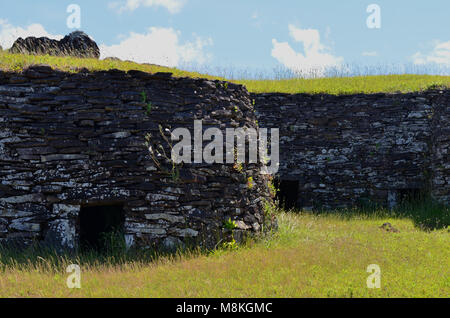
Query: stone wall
(69, 141)
(360, 149)
(441, 148)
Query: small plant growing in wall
(270, 215)
(238, 166)
(377, 146)
(160, 156)
(229, 224)
(148, 104)
(250, 182)
(223, 85)
(230, 243)
(272, 188)
(149, 108)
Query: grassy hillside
(310, 256)
(337, 85)
(17, 62)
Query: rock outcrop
(77, 44)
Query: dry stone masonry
(73, 142)
(342, 151)
(441, 149)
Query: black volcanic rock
(77, 44)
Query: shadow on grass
(426, 213)
(46, 259)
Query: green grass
(350, 85)
(322, 255)
(18, 62)
(335, 85)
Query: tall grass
(311, 255)
(348, 79)
(350, 85)
(426, 215)
(345, 70)
(44, 259)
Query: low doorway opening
(101, 227)
(409, 195)
(287, 194)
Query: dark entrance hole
(287, 194)
(101, 227)
(409, 195)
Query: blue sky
(246, 34)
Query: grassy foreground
(335, 85)
(310, 256)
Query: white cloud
(440, 54)
(174, 6)
(315, 59)
(159, 46)
(9, 33)
(370, 53)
